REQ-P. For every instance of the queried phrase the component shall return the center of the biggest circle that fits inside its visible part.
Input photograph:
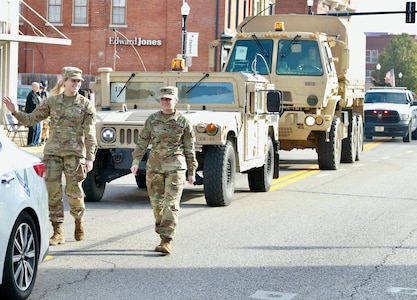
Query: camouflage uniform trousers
(165, 190)
(75, 173)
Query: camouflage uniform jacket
(72, 125)
(172, 140)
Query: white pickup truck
(392, 112)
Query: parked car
(22, 92)
(24, 240)
(392, 112)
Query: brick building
(120, 34)
(136, 35)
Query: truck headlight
(404, 117)
(210, 129)
(108, 135)
(310, 120)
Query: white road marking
(268, 295)
(401, 290)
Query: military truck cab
(319, 64)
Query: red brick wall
(292, 6)
(90, 47)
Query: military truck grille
(380, 115)
(124, 137)
(284, 131)
(287, 97)
(128, 136)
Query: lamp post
(378, 68)
(185, 11)
(310, 5)
(400, 77)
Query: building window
(228, 13)
(55, 11)
(368, 76)
(372, 56)
(119, 12)
(80, 11)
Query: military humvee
(234, 115)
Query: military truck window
(247, 54)
(135, 92)
(297, 57)
(205, 93)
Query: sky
(390, 23)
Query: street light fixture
(310, 5)
(400, 77)
(185, 11)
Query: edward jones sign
(137, 41)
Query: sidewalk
(37, 150)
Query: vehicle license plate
(379, 128)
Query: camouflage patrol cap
(72, 72)
(170, 92)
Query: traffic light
(410, 12)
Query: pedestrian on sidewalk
(43, 93)
(71, 148)
(172, 154)
(32, 101)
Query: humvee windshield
(205, 92)
(188, 93)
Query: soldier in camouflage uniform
(172, 155)
(70, 149)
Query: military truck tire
(360, 136)
(329, 153)
(260, 179)
(93, 189)
(349, 144)
(219, 173)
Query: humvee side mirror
(273, 101)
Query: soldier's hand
(88, 165)
(191, 179)
(134, 169)
(9, 104)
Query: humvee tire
(260, 179)
(93, 189)
(219, 173)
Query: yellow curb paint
(309, 171)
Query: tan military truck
(319, 64)
(234, 116)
